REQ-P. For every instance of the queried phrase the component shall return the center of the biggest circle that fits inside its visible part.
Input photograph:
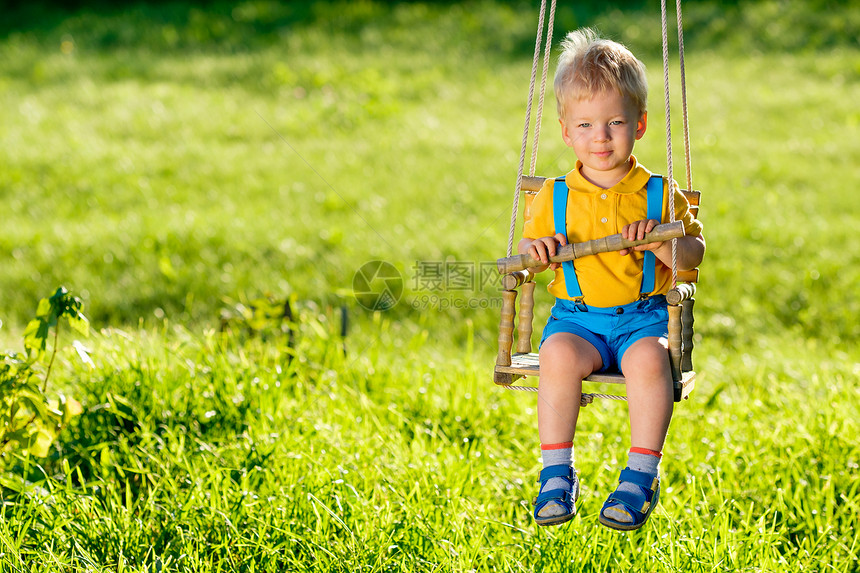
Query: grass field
(169, 163)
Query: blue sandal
(639, 507)
(564, 497)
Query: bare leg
(649, 392)
(565, 359)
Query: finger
(561, 238)
(544, 252)
(625, 232)
(648, 247)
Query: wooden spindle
(524, 325)
(529, 198)
(506, 335)
(675, 340)
(687, 334)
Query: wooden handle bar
(573, 251)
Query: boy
(610, 310)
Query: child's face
(602, 131)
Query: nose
(601, 133)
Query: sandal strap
(644, 480)
(561, 470)
(562, 495)
(631, 501)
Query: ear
(565, 134)
(642, 125)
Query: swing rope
(538, 38)
(665, 26)
(539, 115)
(684, 116)
(586, 399)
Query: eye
(617, 122)
(584, 125)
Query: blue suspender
(559, 213)
(655, 211)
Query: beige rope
(585, 400)
(523, 388)
(671, 175)
(686, 122)
(539, 117)
(588, 398)
(516, 208)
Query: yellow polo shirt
(606, 279)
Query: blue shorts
(610, 330)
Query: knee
(646, 362)
(558, 356)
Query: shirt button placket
(603, 220)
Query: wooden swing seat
(524, 364)
(511, 366)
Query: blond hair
(590, 65)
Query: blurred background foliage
(161, 157)
(778, 25)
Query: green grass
(181, 158)
(210, 455)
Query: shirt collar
(635, 180)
